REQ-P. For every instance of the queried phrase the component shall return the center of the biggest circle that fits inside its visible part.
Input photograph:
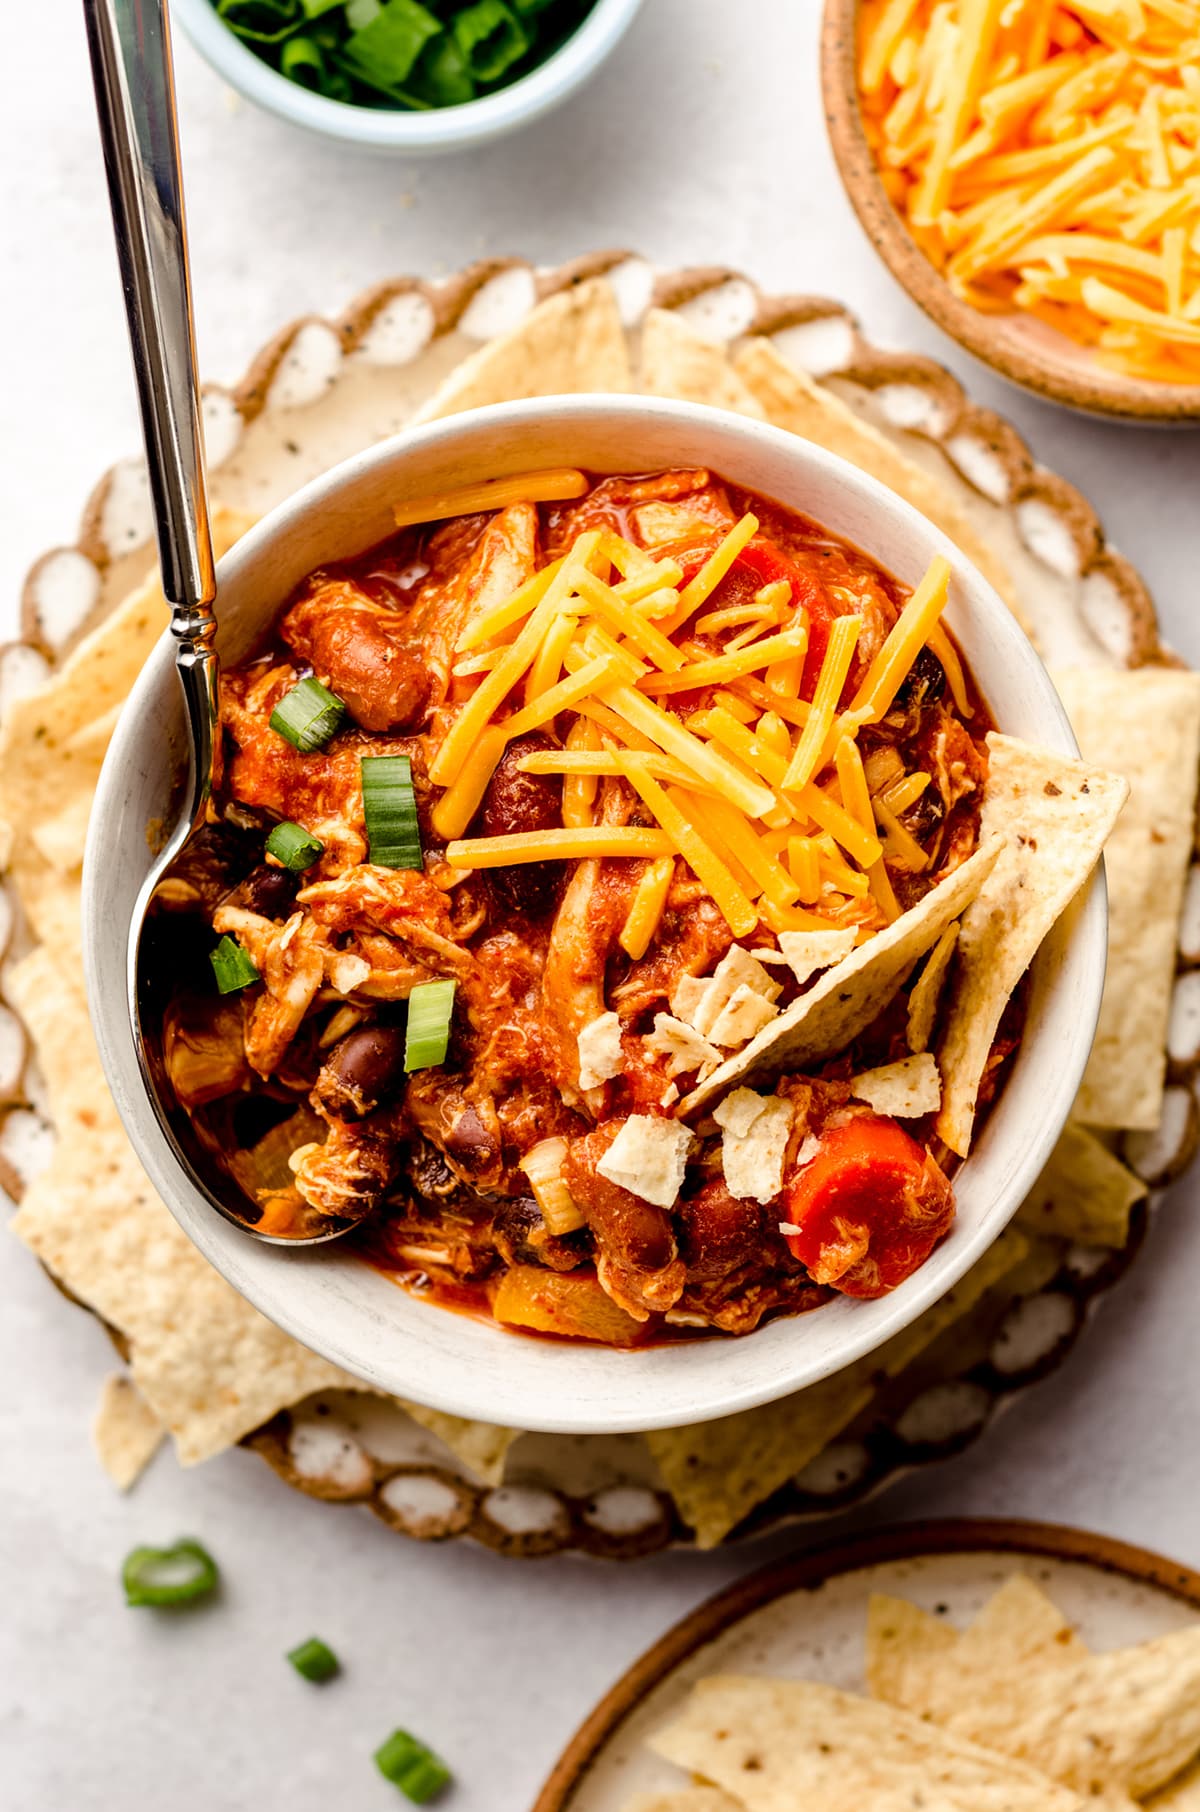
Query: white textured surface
(695, 145)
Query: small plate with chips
(951, 1666)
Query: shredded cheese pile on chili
(1046, 156)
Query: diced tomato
(761, 563)
(868, 1209)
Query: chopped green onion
(315, 1660)
(302, 61)
(442, 76)
(232, 966)
(430, 1009)
(490, 37)
(409, 1765)
(362, 12)
(315, 9)
(390, 809)
(259, 21)
(386, 49)
(308, 715)
(293, 847)
(168, 1575)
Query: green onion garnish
(390, 809)
(409, 1765)
(409, 54)
(231, 966)
(490, 37)
(314, 1659)
(293, 847)
(386, 49)
(168, 1575)
(308, 715)
(430, 1007)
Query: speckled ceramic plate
(324, 389)
(806, 1619)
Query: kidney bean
(517, 802)
(363, 1068)
(384, 686)
(470, 1143)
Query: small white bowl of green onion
(413, 76)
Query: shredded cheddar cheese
(555, 486)
(763, 795)
(1046, 156)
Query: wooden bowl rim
(903, 1541)
(1095, 392)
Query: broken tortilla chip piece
(905, 1089)
(905, 1645)
(126, 1433)
(793, 401)
(677, 361)
(848, 996)
(718, 1472)
(1146, 726)
(783, 1744)
(808, 951)
(1054, 815)
(754, 1137)
(572, 342)
(1084, 1194)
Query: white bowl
(330, 1299)
(416, 134)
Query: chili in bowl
(606, 884)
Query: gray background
(702, 141)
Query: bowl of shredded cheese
(1030, 172)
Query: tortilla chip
(481, 1447)
(572, 342)
(906, 1089)
(791, 400)
(126, 1433)
(1124, 1722)
(904, 1643)
(686, 1799)
(719, 1471)
(921, 1664)
(925, 995)
(1019, 1626)
(846, 998)
(1146, 726)
(209, 1366)
(1056, 815)
(1084, 1193)
(782, 1744)
(677, 361)
(1182, 1795)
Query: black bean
(362, 1070)
(271, 892)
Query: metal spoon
(130, 44)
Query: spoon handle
(130, 44)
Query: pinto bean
(516, 802)
(719, 1232)
(384, 686)
(637, 1236)
(362, 1069)
(470, 1143)
(522, 1238)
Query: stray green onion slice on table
(232, 966)
(427, 1037)
(315, 1660)
(293, 847)
(390, 810)
(164, 1576)
(403, 54)
(308, 715)
(412, 1767)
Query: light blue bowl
(412, 134)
